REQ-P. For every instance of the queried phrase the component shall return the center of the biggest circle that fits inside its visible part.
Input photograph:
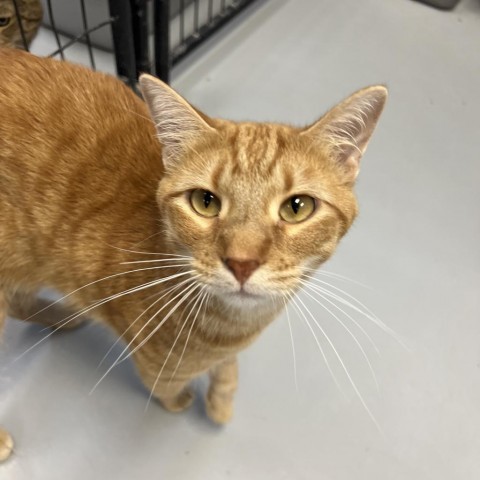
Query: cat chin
(241, 300)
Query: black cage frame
(141, 32)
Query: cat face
(31, 14)
(258, 205)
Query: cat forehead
(261, 159)
(252, 155)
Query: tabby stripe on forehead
(217, 173)
(256, 145)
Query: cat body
(31, 14)
(186, 245)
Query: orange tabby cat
(187, 246)
(31, 14)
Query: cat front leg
(174, 394)
(223, 385)
(6, 445)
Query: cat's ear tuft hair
(346, 129)
(177, 123)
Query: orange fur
(83, 189)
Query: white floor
(415, 245)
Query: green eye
(205, 203)
(297, 208)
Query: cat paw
(6, 445)
(178, 403)
(219, 411)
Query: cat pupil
(207, 198)
(296, 204)
(4, 21)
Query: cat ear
(346, 129)
(176, 121)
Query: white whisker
(93, 283)
(347, 373)
(349, 332)
(99, 303)
(367, 313)
(321, 271)
(188, 335)
(165, 293)
(293, 345)
(198, 297)
(158, 260)
(164, 319)
(327, 363)
(144, 253)
(186, 292)
(320, 290)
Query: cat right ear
(346, 129)
(177, 123)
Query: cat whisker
(367, 313)
(348, 331)
(96, 304)
(322, 292)
(205, 295)
(186, 293)
(165, 293)
(95, 282)
(183, 259)
(144, 253)
(347, 373)
(321, 271)
(327, 363)
(100, 302)
(197, 298)
(292, 343)
(164, 319)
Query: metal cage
(144, 35)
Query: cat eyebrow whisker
(355, 339)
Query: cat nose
(242, 269)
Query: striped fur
(84, 193)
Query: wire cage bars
(143, 35)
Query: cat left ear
(177, 123)
(346, 129)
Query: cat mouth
(242, 293)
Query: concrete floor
(415, 245)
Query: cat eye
(297, 208)
(205, 203)
(4, 21)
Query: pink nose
(242, 269)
